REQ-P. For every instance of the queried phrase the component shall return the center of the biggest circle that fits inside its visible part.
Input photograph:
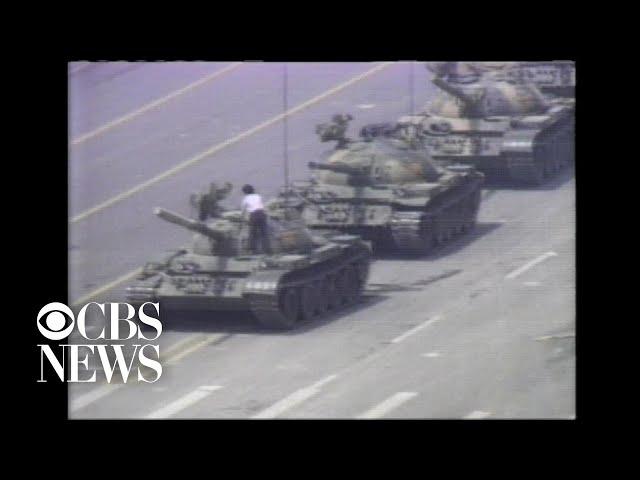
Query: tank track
(553, 151)
(418, 232)
(313, 292)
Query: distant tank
(557, 77)
(487, 118)
(384, 187)
(305, 276)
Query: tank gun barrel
(337, 167)
(189, 224)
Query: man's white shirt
(252, 202)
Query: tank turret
(486, 92)
(471, 100)
(385, 153)
(358, 175)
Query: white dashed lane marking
(416, 329)
(294, 399)
(184, 402)
(528, 265)
(477, 415)
(388, 405)
(171, 356)
(431, 354)
(94, 395)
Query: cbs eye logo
(53, 324)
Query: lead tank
(384, 187)
(305, 276)
(486, 117)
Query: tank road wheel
(443, 234)
(351, 285)
(570, 139)
(568, 144)
(438, 231)
(290, 305)
(342, 287)
(564, 150)
(461, 215)
(362, 271)
(309, 301)
(544, 159)
(330, 292)
(473, 205)
(427, 237)
(536, 176)
(322, 299)
(550, 158)
(450, 230)
(558, 153)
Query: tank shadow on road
(413, 286)
(502, 183)
(245, 322)
(448, 248)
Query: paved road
(480, 329)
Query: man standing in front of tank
(252, 204)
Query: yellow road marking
(154, 104)
(187, 351)
(178, 345)
(216, 148)
(104, 288)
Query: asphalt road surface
(482, 328)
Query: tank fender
(264, 282)
(519, 142)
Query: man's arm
(243, 207)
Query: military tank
(305, 276)
(384, 187)
(557, 77)
(500, 125)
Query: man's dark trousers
(258, 232)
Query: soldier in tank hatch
(207, 204)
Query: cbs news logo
(56, 321)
